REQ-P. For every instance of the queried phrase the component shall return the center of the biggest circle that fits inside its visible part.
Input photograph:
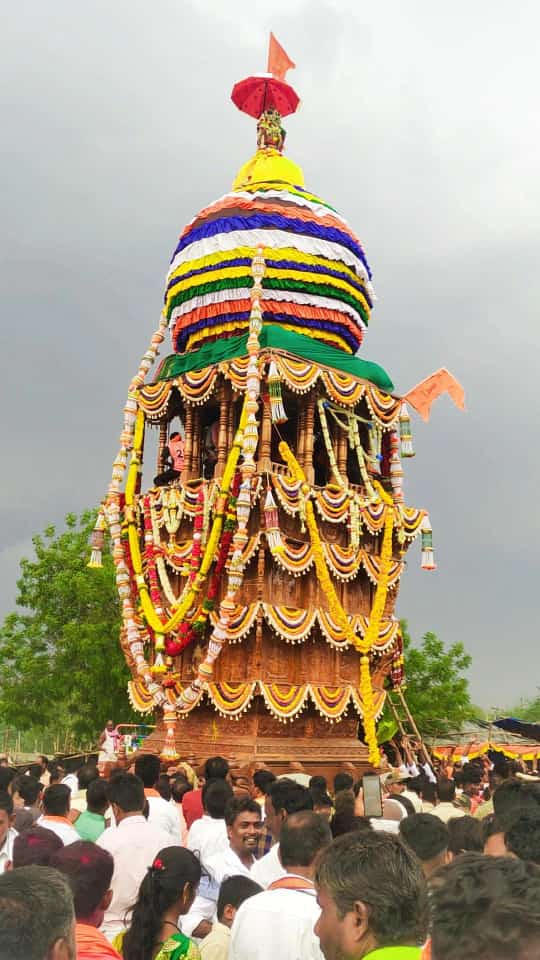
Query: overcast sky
(419, 122)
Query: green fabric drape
(274, 336)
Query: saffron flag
(278, 61)
(423, 395)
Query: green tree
(60, 662)
(527, 709)
(437, 691)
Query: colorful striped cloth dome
(317, 280)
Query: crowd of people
(166, 864)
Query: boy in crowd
(232, 893)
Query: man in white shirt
(208, 835)
(134, 844)
(162, 813)
(279, 922)
(56, 806)
(284, 797)
(446, 808)
(243, 820)
(7, 831)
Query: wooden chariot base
(257, 738)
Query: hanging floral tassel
(97, 542)
(405, 434)
(428, 562)
(169, 751)
(271, 522)
(159, 665)
(277, 410)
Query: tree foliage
(60, 661)
(528, 709)
(437, 690)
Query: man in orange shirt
(88, 870)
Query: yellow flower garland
(362, 644)
(186, 602)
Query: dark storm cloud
(418, 122)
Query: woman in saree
(166, 893)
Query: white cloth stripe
(270, 238)
(287, 296)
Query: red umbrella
(263, 92)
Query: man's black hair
(381, 872)
(472, 774)
(262, 779)
(34, 770)
(36, 845)
(318, 783)
(57, 770)
(148, 768)
(237, 805)
(425, 834)
(163, 786)
(523, 837)
(88, 870)
(494, 824)
(303, 835)
(465, 833)
(56, 800)
(7, 774)
(429, 791)
(486, 908)
(127, 791)
(36, 910)
(216, 768)
(320, 798)
(28, 789)
(234, 890)
(215, 796)
(6, 802)
(179, 787)
(446, 790)
(288, 795)
(508, 798)
(342, 781)
(86, 774)
(96, 796)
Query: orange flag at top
(278, 61)
(422, 396)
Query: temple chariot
(259, 562)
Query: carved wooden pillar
(229, 403)
(342, 451)
(309, 437)
(188, 443)
(196, 465)
(301, 431)
(222, 434)
(163, 429)
(260, 594)
(265, 446)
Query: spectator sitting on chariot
(174, 462)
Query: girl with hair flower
(166, 893)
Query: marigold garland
(189, 597)
(362, 644)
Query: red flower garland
(188, 631)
